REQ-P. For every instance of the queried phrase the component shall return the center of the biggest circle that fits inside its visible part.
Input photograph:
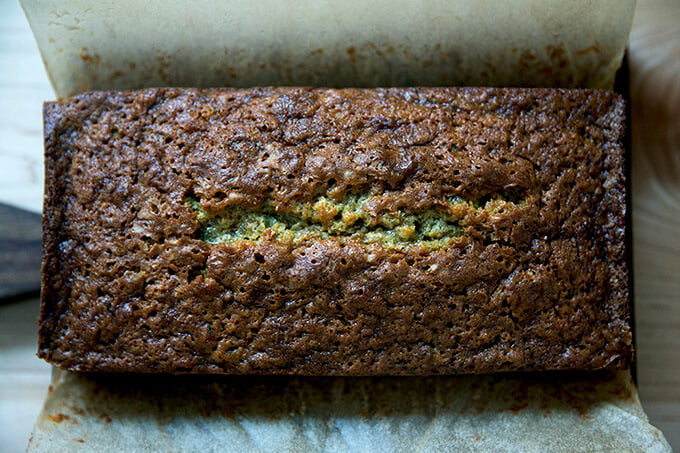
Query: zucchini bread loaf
(335, 232)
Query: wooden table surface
(655, 92)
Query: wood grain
(23, 87)
(654, 55)
(23, 377)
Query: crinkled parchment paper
(523, 413)
(92, 45)
(134, 44)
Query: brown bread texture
(404, 231)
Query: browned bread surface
(335, 232)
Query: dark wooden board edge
(20, 253)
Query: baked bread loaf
(335, 232)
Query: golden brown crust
(538, 283)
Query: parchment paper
(523, 413)
(128, 44)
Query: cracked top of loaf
(335, 232)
